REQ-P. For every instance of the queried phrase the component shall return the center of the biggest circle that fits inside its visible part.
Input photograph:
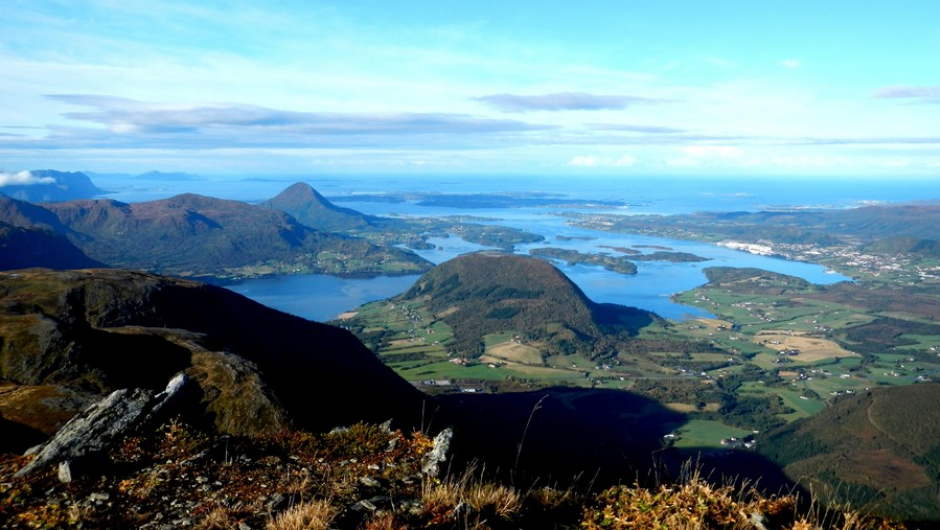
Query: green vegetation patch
(695, 434)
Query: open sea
(320, 297)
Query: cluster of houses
(468, 387)
(739, 443)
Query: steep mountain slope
(195, 235)
(483, 293)
(312, 209)
(880, 450)
(98, 330)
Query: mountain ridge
(98, 330)
(195, 235)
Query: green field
(705, 434)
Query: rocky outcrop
(95, 429)
(431, 465)
(235, 395)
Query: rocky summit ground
(365, 476)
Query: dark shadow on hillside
(742, 468)
(133, 361)
(15, 438)
(618, 317)
(605, 437)
(322, 375)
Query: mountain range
(193, 235)
(69, 337)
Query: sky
(690, 87)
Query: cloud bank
(561, 101)
(23, 178)
(121, 115)
(645, 129)
(920, 94)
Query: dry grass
(503, 500)
(218, 519)
(469, 499)
(693, 506)
(697, 505)
(515, 352)
(384, 521)
(313, 515)
(811, 349)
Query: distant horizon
(278, 176)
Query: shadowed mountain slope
(482, 293)
(258, 369)
(36, 247)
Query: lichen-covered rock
(438, 454)
(95, 429)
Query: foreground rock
(97, 428)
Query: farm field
(696, 434)
(780, 356)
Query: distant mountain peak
(159, 175)
(301, 191)
(308, 206)
(48, 185)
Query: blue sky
(843, 88)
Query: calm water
(318, 296)
(323, 297)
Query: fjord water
(323, 297)
(320, 297)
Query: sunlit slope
(880, 449)
(485, 293)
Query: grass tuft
(313, 515)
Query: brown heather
(180, 476)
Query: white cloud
(562, 101)
(712, 151)
(583, 161)
(708, 155)
(23, 178)
(791, 63)
(625, 160)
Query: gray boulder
(431, 465)
(103, 423)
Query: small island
(674, 257)
(573, 257)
